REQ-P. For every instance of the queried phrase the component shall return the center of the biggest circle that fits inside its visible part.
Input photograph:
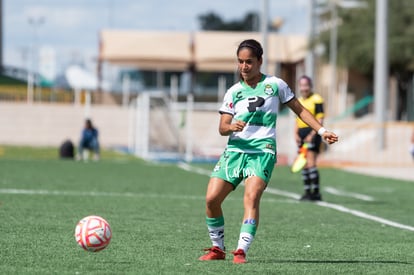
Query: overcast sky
(71, 27)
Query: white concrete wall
(43, 124)
(50, 124)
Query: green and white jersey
(258, 107)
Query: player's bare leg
(254, 187)
(217, 191)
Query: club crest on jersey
(268, 89)
(217, 167)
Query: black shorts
(316, 141)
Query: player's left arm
(309, 119)
(319, 115)
(309, 138)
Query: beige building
(209, 51)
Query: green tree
(356, 37)
(213, 22)
(356, 41)
(210, 21)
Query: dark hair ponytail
(253, 45)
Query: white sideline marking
(337, 192)
(94, 194)
(364, 215)
(187, 167)
(282, 193)
(337, 207)
(113, 194)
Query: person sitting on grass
(89, 140)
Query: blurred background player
(304, 134)
(248, 116)
(89, 140)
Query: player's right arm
(226, 126)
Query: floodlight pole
(381, 69)
(34, 68)
(310, 58)
(1, 37)
(126, 88)
(189, 127)
(333, 45)
(190, 103)
(264, 30)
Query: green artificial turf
(156, 213)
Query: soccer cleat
(316, 197)
(306, 197)
(214, 253)
(239, 256)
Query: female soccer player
(248, 117)
(313, 102)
